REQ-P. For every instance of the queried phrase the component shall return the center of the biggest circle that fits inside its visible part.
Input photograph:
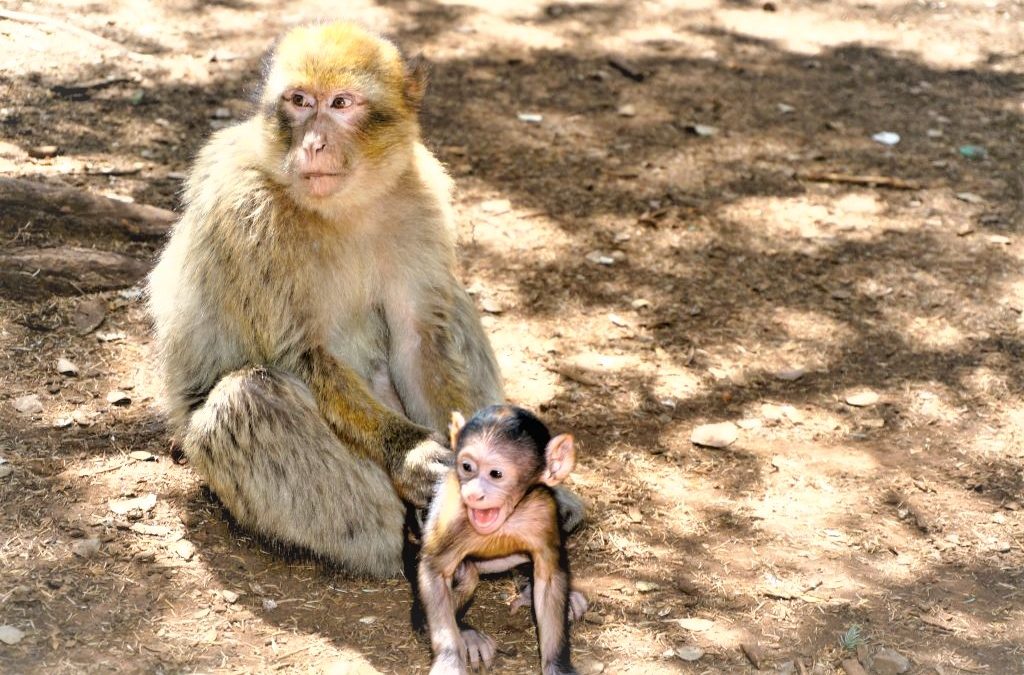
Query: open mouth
(484, 519)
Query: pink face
(322, 128)
(491, 488)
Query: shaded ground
(733, 266)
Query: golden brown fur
(312, 346)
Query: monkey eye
(300, 100)
(341, 102)
(495, 474)
(467, 467)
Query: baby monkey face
(492, 484)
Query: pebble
(230, 597)
(886, 137)
(28, 404)
(640, 303)
(590, 666)
(10, 635)
(269, 605)
(719, 435)
(144, 557)
(142, 456)
(1001, 547)
(627, 110)
(702, 130)
(695, 624)
(184, 549)
(88, 316)
(890, 662)
(646, 586)
(999, 239)
(790, 374)
(970, 197)
(785, 108)
(150, 530)
(862, 399)
(119, 398)
(44, 151)
(689, 652)
(5, 469)
(63, 422)
(530, 118)
(66, 367)
(86, 548)
(492, 306)
(122, 506)
(111, 336)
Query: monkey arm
(404, 449)
(445, 638)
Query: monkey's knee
(271, 459)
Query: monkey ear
(455, 426)
(561, 458)
(415, 84)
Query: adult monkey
(312, 335)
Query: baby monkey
(495, 510)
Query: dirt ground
(684, 237)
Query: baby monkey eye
(299, 100)
(495, 474)
(341, 102)
(467, 467)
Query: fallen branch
(77, 211)
(858, 179)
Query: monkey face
(491, 486)
(341, 104)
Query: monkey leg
(280, 470)
(571, 511)
(578, 603)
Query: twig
(857, 179)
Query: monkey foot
(480, 648)
(578, 602)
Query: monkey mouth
(321, 183)
(485, 521)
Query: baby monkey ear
(561, 458)
(455, 426)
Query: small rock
(230, 597)
(144, 557)
(88, 316)
(886, 137)
(184, 549)
(702, 130)
(873, 423)
(590, 666)
(970, 197)
(492, 306)
(934, 133)
(646, 586)
(785, 108)
(853, 667)
(890, 662)
(695, 624)
(44, 151)
(122, 506)
(1012, 506)
(86, 548)
(111, 336)
(150, 530)
(1001, 547)
(66, 367)
(689, 652)
(627, 110)
(530, 118)
(10, 635)
(142, 456)
(790, 374)
(753, 652)
(119, 398)
(719, 435)
(269, 605)
(6, 470)
(862, 399)
(640, 303)
(83, 418)
(368, 620)
(28, 404)
(999, 239)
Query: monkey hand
(480, 649)
(421, 469)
